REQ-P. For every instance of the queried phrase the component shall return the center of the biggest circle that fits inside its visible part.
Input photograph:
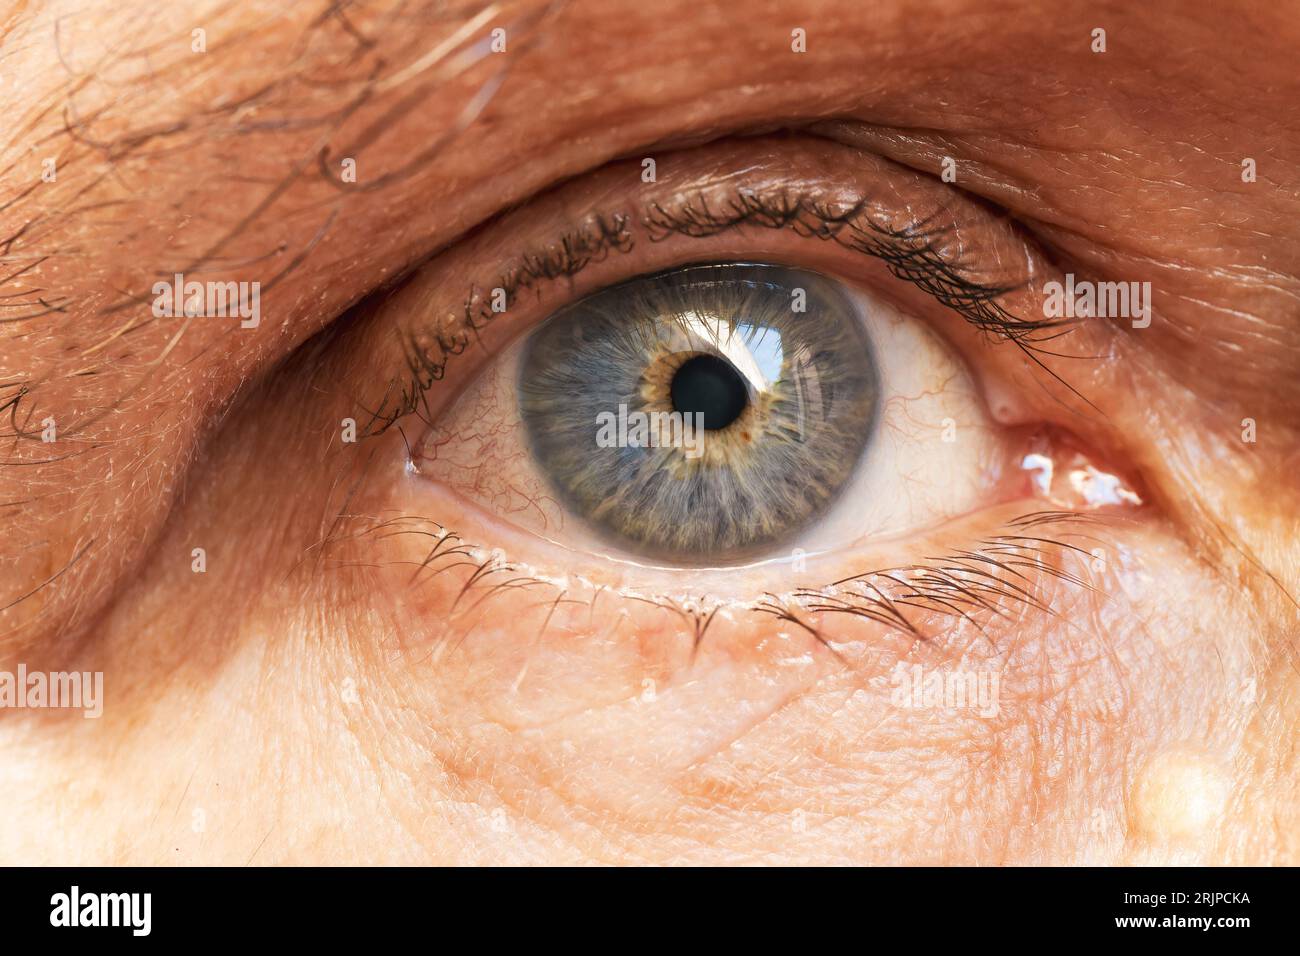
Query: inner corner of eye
(717, 414)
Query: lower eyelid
(471, 611)
(466, 540)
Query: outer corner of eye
(723, 414)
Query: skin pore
(337, 686)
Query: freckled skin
(342, 684)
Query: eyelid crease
(927, 251)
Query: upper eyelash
(912, 254)
(576, 249)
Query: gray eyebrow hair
(341, 82)
(97, 142)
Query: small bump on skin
(1177, 798)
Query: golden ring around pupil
(721, 445)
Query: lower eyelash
(1001, 573)
(962, 585)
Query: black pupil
(711, 385)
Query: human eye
(832, 346)
(721, 414)
(924, 536)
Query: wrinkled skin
(302, 701)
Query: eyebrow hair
(911, 253)
(98, 143)
(124, 129)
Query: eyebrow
(123, 111)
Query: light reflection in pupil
(712, 387)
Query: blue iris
(706, 414)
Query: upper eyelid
(915, 251)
